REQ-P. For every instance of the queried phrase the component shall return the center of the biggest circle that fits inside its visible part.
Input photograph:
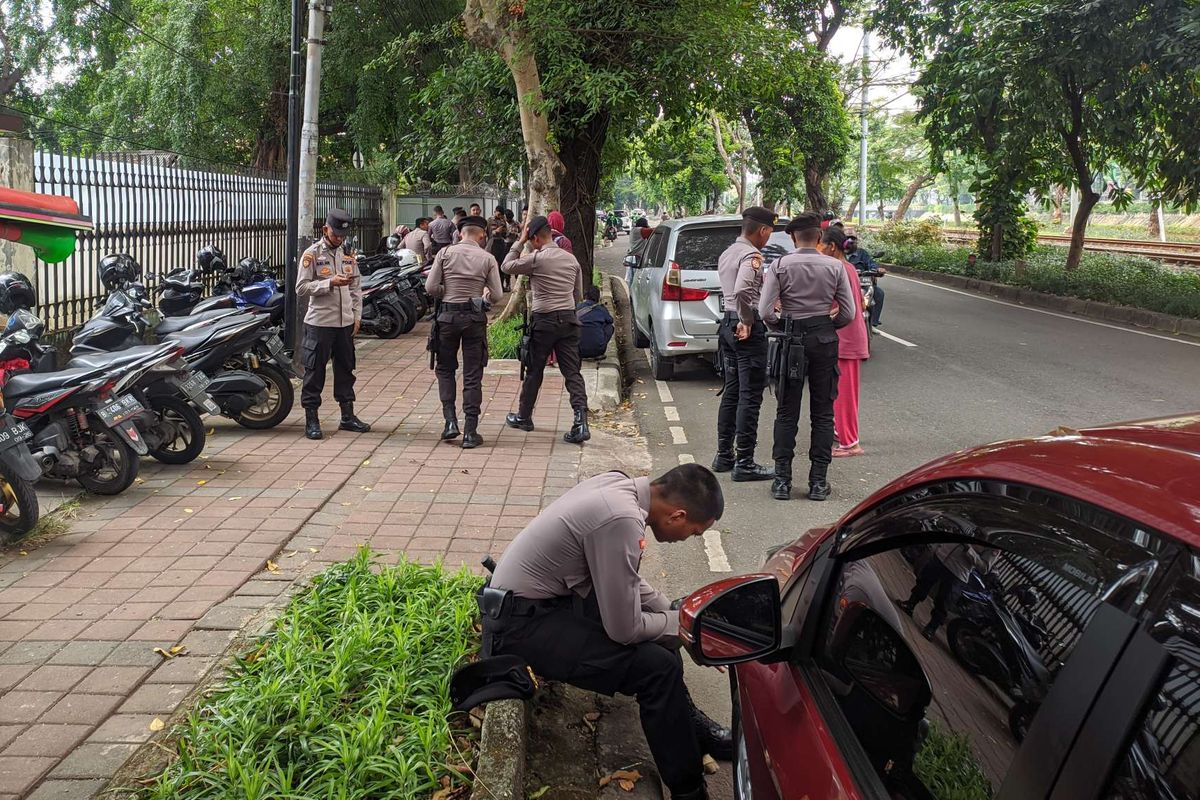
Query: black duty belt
(733, 316)
(467, 306)
(804, 324)
(556, 314)
(526, 607)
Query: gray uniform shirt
(419, 242)
(740, 271)
(441, 230)
(591, 539)
(555, 277)
(330, 306)
(462, 271)
(807, 284)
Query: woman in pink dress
(853, 349)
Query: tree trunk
(582, 156)
(1152, 229)
(996, 251)
(1057, 194)
(731, 171)
(957, 212)
(852, 208)
(813, 178)
(909, 193)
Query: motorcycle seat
(191, 340)
(176, 324)
(96, 361)
(31, 383)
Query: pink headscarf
(557, 221)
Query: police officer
(441, 231)
(465, 278)
(576, 610)
(743, 348)
(556, 282)
(329, 277)
(419, 242)
(806, 284)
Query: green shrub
(504, 338)
(912, 232)
(346, 697)
(948, 767)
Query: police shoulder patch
(306, 262)
(325, 271)
(756, 262)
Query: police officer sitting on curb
(556, 283)
(329, 277)
(806, 284)
(743, 348)
(567, 598)
(465, 278)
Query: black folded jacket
(495, 678)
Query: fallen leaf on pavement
(24, 552)
(239, 497)
(289, 555)
(539, 793)
(313, 550)
(157, 724)
(366, 462)
(201, 483)
(179, 650)
(163, 653)
(626, 786)
(272, 566)
(188, 511)
(622, 777)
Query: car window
(1163, 760)
(699, 248)
(655, 249)
(780, 244)
(939, 654)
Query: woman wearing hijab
(557, 224)
(852, 351)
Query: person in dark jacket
(595, 325)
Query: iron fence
(161, 211)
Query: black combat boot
(715, 739)
(724, 460)
(579, 432)
(471, 437)
(744, 469)
(519, 422)
(350, 422)
(818, 484)
(781, 489)
(312, 424)
(451, 416)
(699, 793)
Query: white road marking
(687, 458)
(717, 560)
(677, 435)
(664, 392)
(672, 413)
(1052, 313)
(887, 335)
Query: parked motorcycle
(19, 470)
(383, 313)
(387, 281)
(248, 286)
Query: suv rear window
(699, 248)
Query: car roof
(714, 220)
(1145, 470)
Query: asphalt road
(969, 370)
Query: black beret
(478, 222)
(761, 215)
(536, 224)
(339, 221)
(495, 678)
(804, 221)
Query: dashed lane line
(887, 335)
(677, 435)
(672, 413)
(664, 392)
(687, 458)
(717, 560)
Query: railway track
(1179, 253)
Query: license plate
(14, 434)
(119, 410)
(194, 386)
(275, 344)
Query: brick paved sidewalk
(180, 557)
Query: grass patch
(346, 697)
(504, 338)
(56, 523)
(948, 767)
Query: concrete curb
(1091, 309)
(500, 773)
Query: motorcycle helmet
(119, 269)
(210, 259)
(16, 291)
(393, 243)
(247, 271)
(25, 320)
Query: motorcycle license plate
(275, 344)
(14, 434)
(119, 410)
(194, 387)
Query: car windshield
(699, 248)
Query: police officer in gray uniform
(567, 598)
(556, 282)
(329, 277)
(743, 348)
(465, 279)
(806, 284)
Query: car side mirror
(632, 261)
(731, 621)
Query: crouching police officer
(464, 279)
(567, 598)
(329, 277)
(806, 284)
(743, 348)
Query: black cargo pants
(465, 330)
(820, 342)
(744, 364)
(553, 332)
(318, 345)
(569, 644)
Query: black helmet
(117, 270)
(210, 259)
(247, 270)
(16, 291)
(25, 320)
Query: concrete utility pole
(862, 146)
(1162, 223)
(309, 137)
(291, 260)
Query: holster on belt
(494, 605)
(525, 347)
(435, 332)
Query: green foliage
(347, 696)
(948, 767)
(1000, 206)
(675, 164)
(504, 338)
(911, 232)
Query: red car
(1017, 621)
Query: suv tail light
(673, 289)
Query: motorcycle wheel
(19, 509)
(176, 416)
(277, 404)
(388, 322)
(1020, 717)
(410, 315)
(971, 650)
(119, 468)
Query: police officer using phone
(329, 278)
(465, 280)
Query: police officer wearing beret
(743, 348)
(556, 283)
(465, 279)
(806, 284)
(329, 277)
